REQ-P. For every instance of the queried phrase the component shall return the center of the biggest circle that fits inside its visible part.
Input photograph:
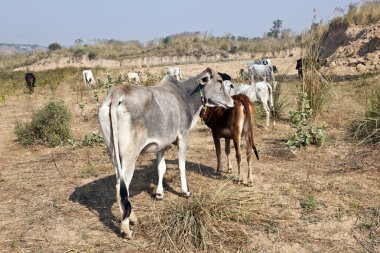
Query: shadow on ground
(99, 195)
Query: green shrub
(78, 53)
(92, 139)
(49, 126)
(153, 79)
(307, 132)
(367, 130)
(91, 55)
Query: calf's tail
(250, 110)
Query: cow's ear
(205, 76)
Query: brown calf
(232, 124)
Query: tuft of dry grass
(314, 81)
(206, 221)
(367, 130)
(363, 14)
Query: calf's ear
(205, 76)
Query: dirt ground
(62, 199)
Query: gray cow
(260, 71)
(138, 120)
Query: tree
(54, 46)
(276, 29)
(78, 42)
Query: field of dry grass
(62, 199)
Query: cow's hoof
(218, 173)
(127, 235)
(250, 184)
(159, 196)
(186, 194)
(229, 171)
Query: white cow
(134, 76)
(261, 92)
(88, 78)
(175, 72)
(260, 71)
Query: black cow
(30, 80)
(303, 62)
(225, 76)
(299, 67)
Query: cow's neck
(191, 89)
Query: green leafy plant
(309, 204)
(307, 132)
(92, 139)
(49, 126)
(110, 82)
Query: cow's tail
(125, 205)
(250, 110)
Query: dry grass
(207, 220)
(367, 130)
(63, 199)
(368, 12)
(314, 81)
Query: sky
(63, 21)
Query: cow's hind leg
(227, 149)
(249, 151)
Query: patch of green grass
(309, 204)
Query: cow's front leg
(161, 166)
(182, 148)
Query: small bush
(307, 132)
(92, 139)
(368, 129)
(153, 79)
(91, 55)
(78, 53)
(49, 126)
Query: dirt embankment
(351, 48)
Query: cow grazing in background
(299, 67)
(175, 72)
(260, 71)
(88, 78)
(134, 76)
(232, 124)
(244, 74)
(260, 92)
(303, 63)
(30, 80)
(137, 119)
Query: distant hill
(7, 48)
